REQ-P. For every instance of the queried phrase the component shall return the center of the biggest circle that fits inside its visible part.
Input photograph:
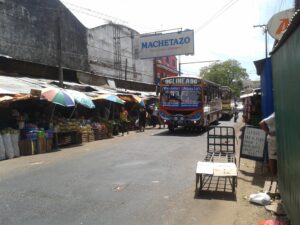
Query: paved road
(142, 178)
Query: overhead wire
(224, 8)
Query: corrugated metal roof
(3, 91)
(21, 85)
(102, 90)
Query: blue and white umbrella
(81, 98)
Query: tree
(228, 73)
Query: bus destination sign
(181, 81)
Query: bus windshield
(181, 96)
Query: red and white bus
(189, 102)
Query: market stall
(132, 105)
(252, 107)
(108, 106)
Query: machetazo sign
(157, 45)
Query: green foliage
(228, 73)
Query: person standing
(161, 123)
(106, 112)
(235, 113)
(268, 125)
(142, 119)
(124, 120)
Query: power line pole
(59, 55)
(265, 30)
(126, 74)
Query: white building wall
(102, 52)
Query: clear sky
(223, 28)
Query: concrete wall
(29, 32)
(102, 54)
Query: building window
(167, 60)
(173, 63)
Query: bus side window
(205, 95)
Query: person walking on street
(235, 113)
(124, 120)
(142, 119)
(160, 121)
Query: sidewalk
(251, 178)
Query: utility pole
(265, 30)
(59, 55)
(125, 74)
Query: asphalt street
(141, 178)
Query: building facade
(165, 67)
(112, 54)
(42, 32)
(37, 36)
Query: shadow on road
(217, 195)
(181, 132)
(186, 132)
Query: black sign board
(253, 143)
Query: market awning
(22, 85)
(132, 98)
(15, 98)
(81, 98)
(7, 92)
(58, 96)
(108, 97)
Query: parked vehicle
(227, 102)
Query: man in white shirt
(268, 125)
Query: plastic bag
(15, 143)
(2, 149)
(9, 150)
(260, 198)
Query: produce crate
(41, 145)
(65, 140)
(27, 147)
(78, 138)
(49, 143)
(99, 134)
(84, 137)
(91, 137)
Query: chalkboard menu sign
(253, 143)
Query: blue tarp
(264, 69)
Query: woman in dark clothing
(142, 119)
